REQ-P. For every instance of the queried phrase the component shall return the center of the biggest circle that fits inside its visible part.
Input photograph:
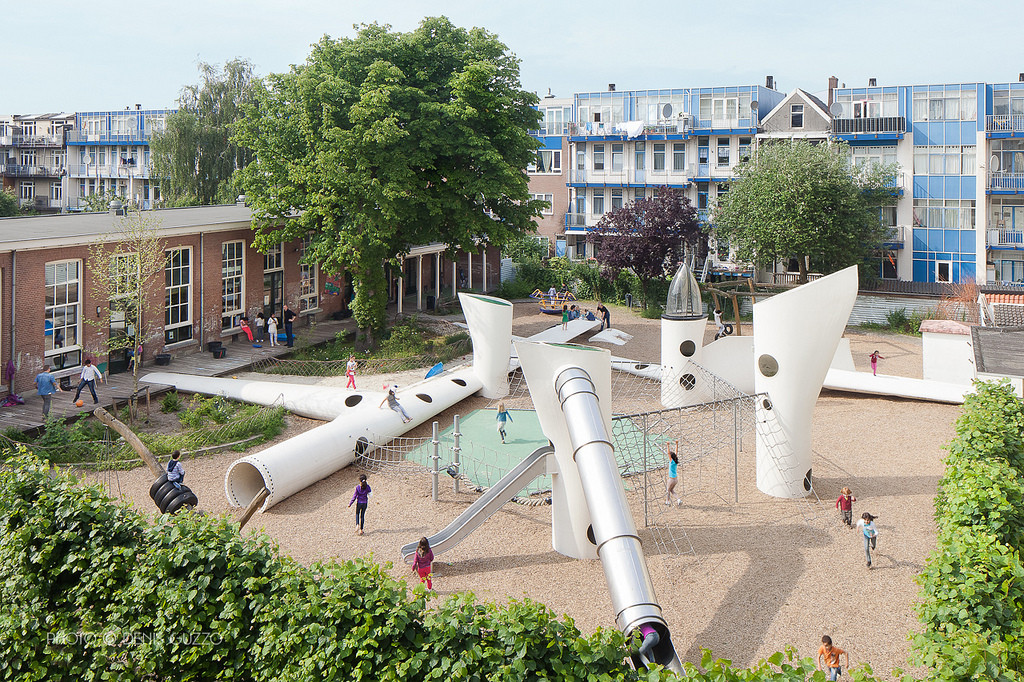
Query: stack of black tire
(169, 498)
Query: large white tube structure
(682, 340)
(795, 338)
(358, 422)
(588, 500)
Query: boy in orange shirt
(831, 655)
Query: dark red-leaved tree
(648, 237)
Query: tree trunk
(802, 261)
(130, 438)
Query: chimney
(872, 82)
(611, 87)
(1020, 77)
(833, 83)
(138, 107)
(769, 82)
(549, 95)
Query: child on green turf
(503, 416)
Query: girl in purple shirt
(422, 561)
(361, 497)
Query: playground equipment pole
(736, 451)
(456, 451)
(436, 458)
(646, 484)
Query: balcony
(81, 170)
(1006, 182)
(895, 236)
(52, 140)
(680, 125)
(725, 123)
(1005, 123)
(885, 125)
(108, 137)
(576, 220)
(20, 171)
(1000, 238)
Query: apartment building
(33, 159)
(623, 145)
(549, 174)
(108, 153)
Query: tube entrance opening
(244, 481)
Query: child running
(361, 497)
(503, 416)
(844, 503)
(830, 655)
(350, 372)
(673, 475)
(422, 561)
(875, 357)
(866, 525)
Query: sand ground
(764, 573)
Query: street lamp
(128, 163)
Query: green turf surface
(486, 459)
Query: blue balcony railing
(857, 126)
(81, 137)
(576, 220)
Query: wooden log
(256, 503)
(130, 438)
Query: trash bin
(629, 300)
(431, 302)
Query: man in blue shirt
(46, 386)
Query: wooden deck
(239, 357)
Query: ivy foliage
(972, 589)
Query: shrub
(171, 402)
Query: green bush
(972, 588)
(171, 402)
(201, 411)
(92, 591)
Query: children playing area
(736, 571)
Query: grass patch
(203, 422)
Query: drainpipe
(202, 295)
(14, 281)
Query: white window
(550, 198)
(659, 156)
(178, 296)
(28, 190)
(598, 205)
(678, 156)
(308, 281)
(273, 259)
(28, 128)
(55, 191)
(62, 314)
(617, 154)
(548, 161)
(723, 152)
(232, 272)
(581, 159)
(599, 157)
(616, 199)
(796, 116)
(28, 157)
(640, 152)
(744, 150)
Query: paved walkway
(239, 357)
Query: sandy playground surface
(764, 573)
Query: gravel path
(766, 573)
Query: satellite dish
(836, 109)
(666, 111)
(753, 105)
(88, 159)
(993, 163)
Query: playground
(756, 574)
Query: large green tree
(195, 156)
(793, 199)
(387, 140)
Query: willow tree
(194, 157)
(388, 140)
(804, 201)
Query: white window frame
(273, 259)
(658, 157)
(597, 205)
(309, 283)
(232, 292)
(28, 189)
(550, 198)
(796, 110)
(56, 191)
(182, 286)
(598, 157)
(67, 304)
(554, 166)
(679, 157)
